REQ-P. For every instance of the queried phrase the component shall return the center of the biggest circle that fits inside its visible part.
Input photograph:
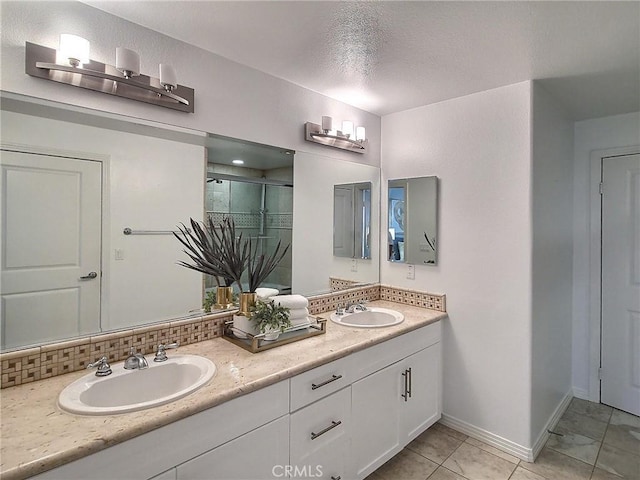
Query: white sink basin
(372, 317)
(130, 390)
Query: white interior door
(51, 247)
(620, 355)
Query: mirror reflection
(150, 179)
(352, 220)
(412, 220)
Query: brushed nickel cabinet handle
(322, 432)
(410, 378)
(405, 395)
(332, 379)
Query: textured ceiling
(388, 56)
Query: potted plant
(270, 318)
(218, 251)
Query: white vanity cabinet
(393, 405)
(320, 437)
(338, 421)
(258, 455)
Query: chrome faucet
(104, 368)
(161, 354)
(351, 308)
(135, 361)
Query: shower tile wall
(243, 201)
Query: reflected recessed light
(237, 162)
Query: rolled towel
(266, 292)
(296, 313)
(291, 301)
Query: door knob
(89, 276)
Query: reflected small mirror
(352, 220)
(412, 220)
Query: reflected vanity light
(71, 65)
(353, 140)
(237, 162)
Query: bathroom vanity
(334, 406)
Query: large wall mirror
(413, 221)
(148, 178)
(352, 220)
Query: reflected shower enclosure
(262, 209)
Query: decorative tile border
(340, 283)
(414, 297)
(38, 363)
(30, 365)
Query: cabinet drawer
(370, 360)
(320, 434)
(315, 384)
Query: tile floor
(597, 443)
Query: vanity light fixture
(343, 139)
(237, 162)
(71, 65)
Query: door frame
(105, 223)
(595, 263)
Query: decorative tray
(257, 343)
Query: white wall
(552, 256)
(479, 147)
(314, 177)
(152, 184)
(230, 99)
(590, 135)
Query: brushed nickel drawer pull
(332, 379)
(410, 378)
(330, 427)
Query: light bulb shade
(360, 134)
(327, 123)
(127, 61)
(74, 49)
(347, 128)
(168, 77)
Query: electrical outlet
(119, 254)
(411, 272)
(354, 265)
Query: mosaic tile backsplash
(38, 363)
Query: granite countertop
(37, 436)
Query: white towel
(266, 292)
(296, 313)
(291, 301)
(300, 321)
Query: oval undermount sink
(372, 317)
(130, 390)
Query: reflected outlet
(411, 272)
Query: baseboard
(523, 453)
(553, 420)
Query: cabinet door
(375, 419)
(257, 455)
(422, 407)
(320, 437)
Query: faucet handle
(161, 354)
(103, 366)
